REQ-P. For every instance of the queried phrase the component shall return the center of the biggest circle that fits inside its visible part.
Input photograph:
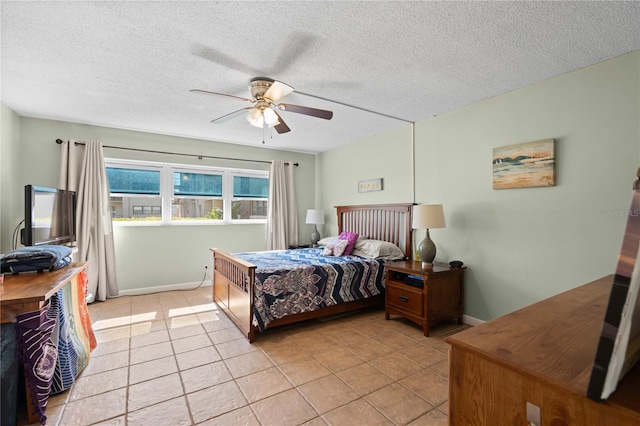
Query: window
(170, 193)
(197, 196)
(250, 196)
(147, 211)
(133, 189)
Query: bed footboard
(233, 281)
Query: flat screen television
(49, 216)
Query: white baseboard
(169, 287)
(471, 320)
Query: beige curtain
(82, 170)
(282, 218)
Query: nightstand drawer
(405, 298)
(425, 296)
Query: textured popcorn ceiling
(130, 65)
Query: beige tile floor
(174, 358)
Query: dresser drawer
(405, 298)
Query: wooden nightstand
(424, 296)
(301, 246)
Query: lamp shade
(428, 216)
(255, 117)
(270, 117)
(315, 217)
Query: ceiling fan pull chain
(263, 134)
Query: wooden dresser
(541, 355)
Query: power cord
(198, 286)
(179, 289)
(16, 231)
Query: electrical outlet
(533, 414)
(206, 268)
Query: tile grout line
(350, 324)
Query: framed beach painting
(524, 165)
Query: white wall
(150, 257)
(521, 245)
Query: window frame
(167, 191)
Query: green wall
(155, 257)
(521, 245)
(9, 167)
(387, 156)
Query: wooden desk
(28, 292)
(542, 354)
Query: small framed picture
(370, 185)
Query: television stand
(22, 293)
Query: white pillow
(361, 239)
(376, 249)
(325, 241)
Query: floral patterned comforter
(294, 281)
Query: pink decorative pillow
(335, 248)
(351, 237)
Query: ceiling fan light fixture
(270, 117)
(255, 117)
(258, 117)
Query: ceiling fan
(265, 93)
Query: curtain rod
(200, 157)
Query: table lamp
(427, 216)
(315, 217)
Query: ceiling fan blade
(231, 115)
(277, 91)
(217, 57)
(298, 44)
(281, 127)
(205, 92)
(314, 112)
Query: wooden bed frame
(233, 278)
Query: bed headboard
(386, 222)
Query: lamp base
(427, 251)
(315, 236)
